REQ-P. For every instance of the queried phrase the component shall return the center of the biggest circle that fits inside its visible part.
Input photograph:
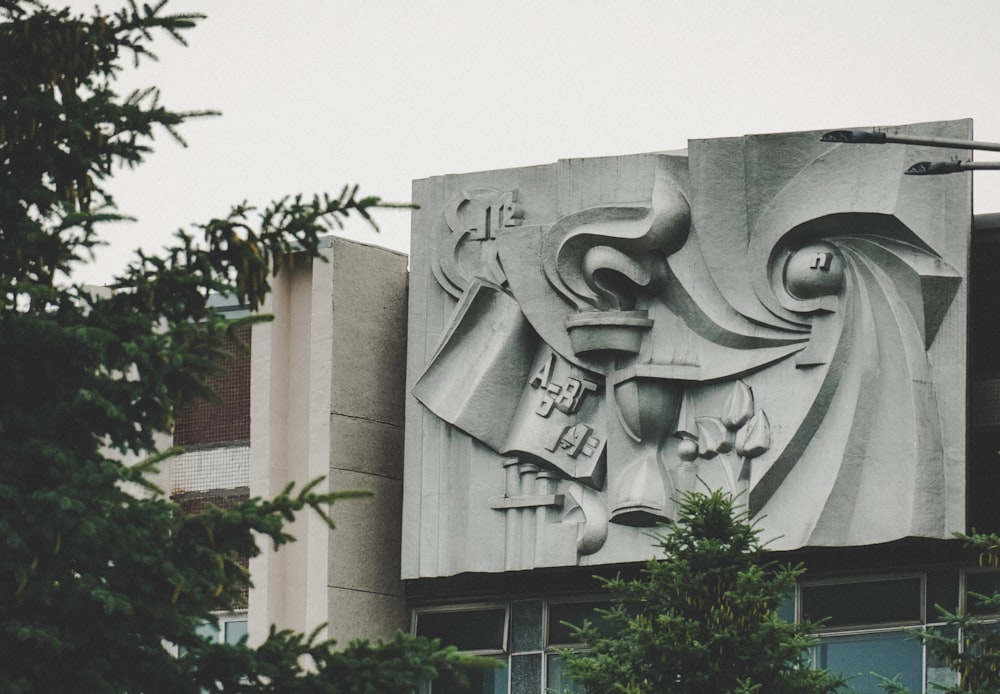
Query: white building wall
(327, 391)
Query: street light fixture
(923, 168)
(932, 168)
(880, 138)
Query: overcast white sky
(319, 93)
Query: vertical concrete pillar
(327, 391)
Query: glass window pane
(526, 626)
(208, 631)
(562, 614)
(888, 654)
(236, 631)
(984, 583)
(940, 678)
(469, 630)
(937, 661)
(786, 609)
(557, 681)
(891, 601)
(526, 674)
(942, 589)
(480, 682)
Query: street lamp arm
(855, 137)
(933, 168)
(879, 138)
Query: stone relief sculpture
(771, 315)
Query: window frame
(599, 601)
(865, 627)
(470, 607)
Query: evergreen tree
(703, 619)
(99, 587)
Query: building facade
(776, 316)
(790, 320)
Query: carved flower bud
(713, 437)
(754, 438)
(739, 406)
(687, 450)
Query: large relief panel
(772, 315)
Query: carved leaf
(592, 515)
(739, 406)
(754, 438)
(713, 437)
(685, 419)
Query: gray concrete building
(576, 343)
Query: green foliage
(95, 581)
(363, 667)
(966, 644)
(703, 618)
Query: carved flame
(601, 257)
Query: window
(561, 635)
(864, 603)
(231, 628)
(863, 626)
(858, 655)
(980, 583)
(867, 622)
(524, 634)
(476, 629)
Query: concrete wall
(327, 384)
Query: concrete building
(791, 320)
